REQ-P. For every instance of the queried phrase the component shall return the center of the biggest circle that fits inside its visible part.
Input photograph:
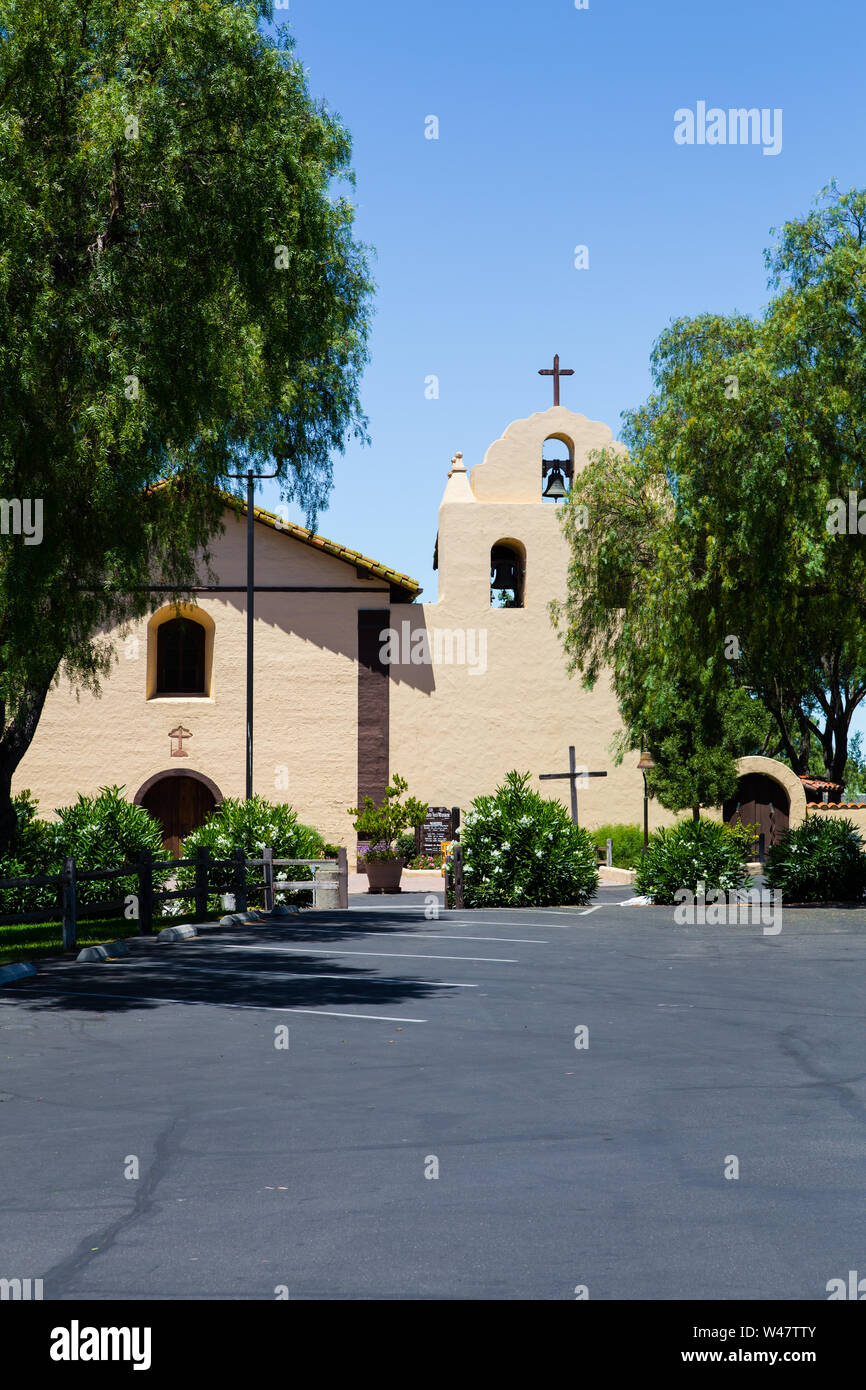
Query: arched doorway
(181, 802)
(760, 800)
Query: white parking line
(451, 919)
(400, 955)
(428, 935)
(444, 936)
(298, 975)
(588, 910)
(219, 1004)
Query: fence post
(457, 861)
(343, 871)
(762, 853)
(202, 866)
(67, 882)
(610, 854)
(145, 892)
(240, 875)
(268, 856)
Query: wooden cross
(572, 775)
(180, 733)
(556, 373)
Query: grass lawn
(22, 942)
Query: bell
(555, 486)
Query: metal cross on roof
(556, 373)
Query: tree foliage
(711, 574)
(181, 296)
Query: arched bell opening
(507, 574)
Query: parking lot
(502, 1104)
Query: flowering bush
(250, 825)
(821, 860)
(693, 852)
(522, 851)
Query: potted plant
(381, 825)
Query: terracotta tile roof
(840, 806)
(410, 586)
(819, 783)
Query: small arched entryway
(760, 800)
(181, 802)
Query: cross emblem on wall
(179, 733)
(575, 775)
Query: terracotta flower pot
(384, 875)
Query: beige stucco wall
(455, 736)
(305, 691)
(856, 814)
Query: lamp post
(251, 479)
(645, 763)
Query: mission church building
(354, 678)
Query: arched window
(507, 574)
(557, 468)
(180, 658)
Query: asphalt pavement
(383, 1104)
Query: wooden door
(181, 805)
(760, 801)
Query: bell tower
(499, 532)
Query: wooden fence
(150, 875)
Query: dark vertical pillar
(373, 705)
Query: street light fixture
(644, 764)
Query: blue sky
(556, 129)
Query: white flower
(506, 844)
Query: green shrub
(104, 832)
(627, 843)
(99, 832)
(694, 852)
(405, 845)
(34, 853)
(822, 860)
(381, 825)
(522, 851)
(250, 826)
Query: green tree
(712, 561)
(695, 731)
(181, 296)
(383, 824)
